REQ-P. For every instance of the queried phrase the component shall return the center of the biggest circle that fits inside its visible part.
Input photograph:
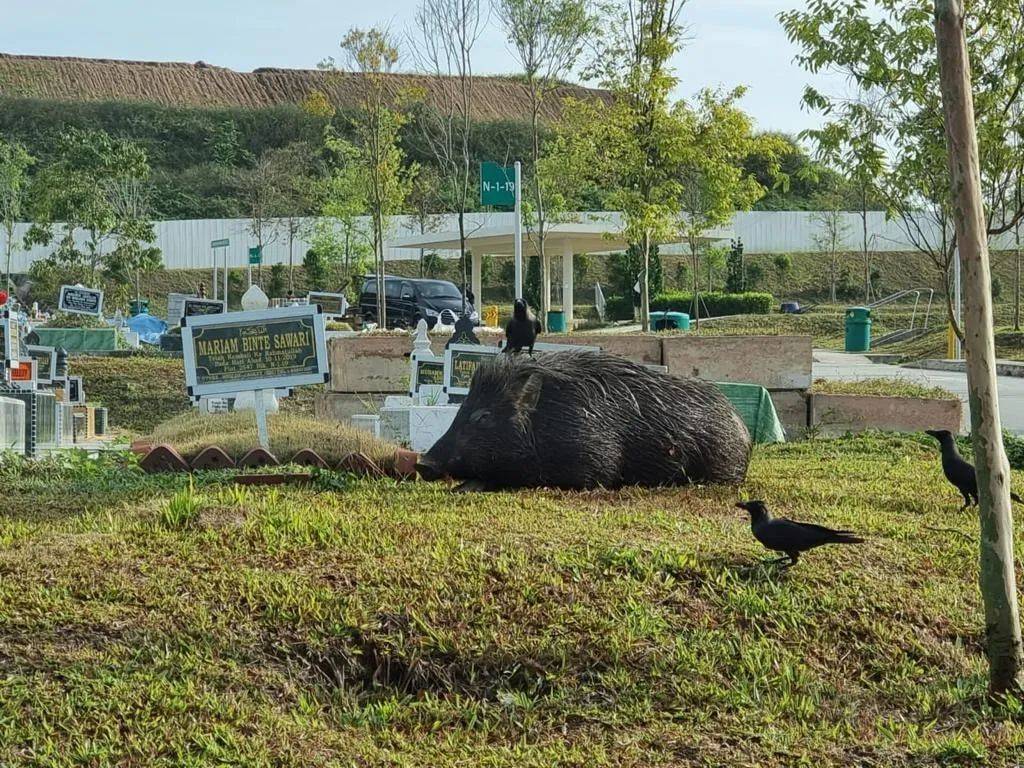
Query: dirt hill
(203, 85)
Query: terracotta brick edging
(164, 458)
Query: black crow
(958, 470)
(521, 331)
(787, 536)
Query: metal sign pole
(957, 351)
(225, 280)
(519, 231)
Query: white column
(476, 281)
(567, 300)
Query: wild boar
(581, 419)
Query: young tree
(547, 37)
(80, 189)
(127, 190)
(14, 164)
(262, 188)
(885, 49)
(447, 31)
(829, 238)
(718, 136)
(997, 578)
(373, 54)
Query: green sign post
(256, 256)
(497, 185)
(501, 185)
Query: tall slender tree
(548, 39)
(997, 577)
(14, 183)
(446, 33)
(373, 54)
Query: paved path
(841, 366)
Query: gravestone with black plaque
(464, 332)
(46, 363)
(257, 351)
(200, 306)
(461, 362)
(79, 300)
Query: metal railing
(894, 297)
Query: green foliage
(619, 307)
(714, 304)
(317, 269)
(276, 285)
(735, 278)
(882, 387)
(15, 163)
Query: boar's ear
(525, 395)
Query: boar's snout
(429, 469)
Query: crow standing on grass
(790, 537)
(958, 470)
(521, 331)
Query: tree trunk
(462, 252)
(291, 259)
(1016, 283)
(696, 285)
(867, 255)
(645, 282)
(8, 283)
(997, 577)
(378, 257)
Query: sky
(730, 42)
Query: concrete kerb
(1003, 367)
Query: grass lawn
(163, 621)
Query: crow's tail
(846, 537)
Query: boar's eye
(481, 416)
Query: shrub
(619, 308)
(714, 304)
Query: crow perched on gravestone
(792, 538)
(521, 331)
(958, 470)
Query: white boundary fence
(186, 244)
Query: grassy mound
(154, 620)
(142, 391)
(236, 433)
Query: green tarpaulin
(755, 407)
(78, 339)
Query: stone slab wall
(774, 362)
(837, 414)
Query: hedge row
(713, 304)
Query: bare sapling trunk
(696, 283)
(1016, 283)
(997, 578)
(645, 282)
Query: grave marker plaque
(254, 351)
(333, 304)
(194, 307)
(46, 363)
(79, 300)
(461, 362)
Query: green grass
(154, 620)
(887, 387)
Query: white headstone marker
(255, 299)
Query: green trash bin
(858, 329)
(664, 321)
(139, 307)
(556, 321)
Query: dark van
(407, 300)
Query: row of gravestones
(442, 379)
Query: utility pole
(997, 579)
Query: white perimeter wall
(186, 244)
